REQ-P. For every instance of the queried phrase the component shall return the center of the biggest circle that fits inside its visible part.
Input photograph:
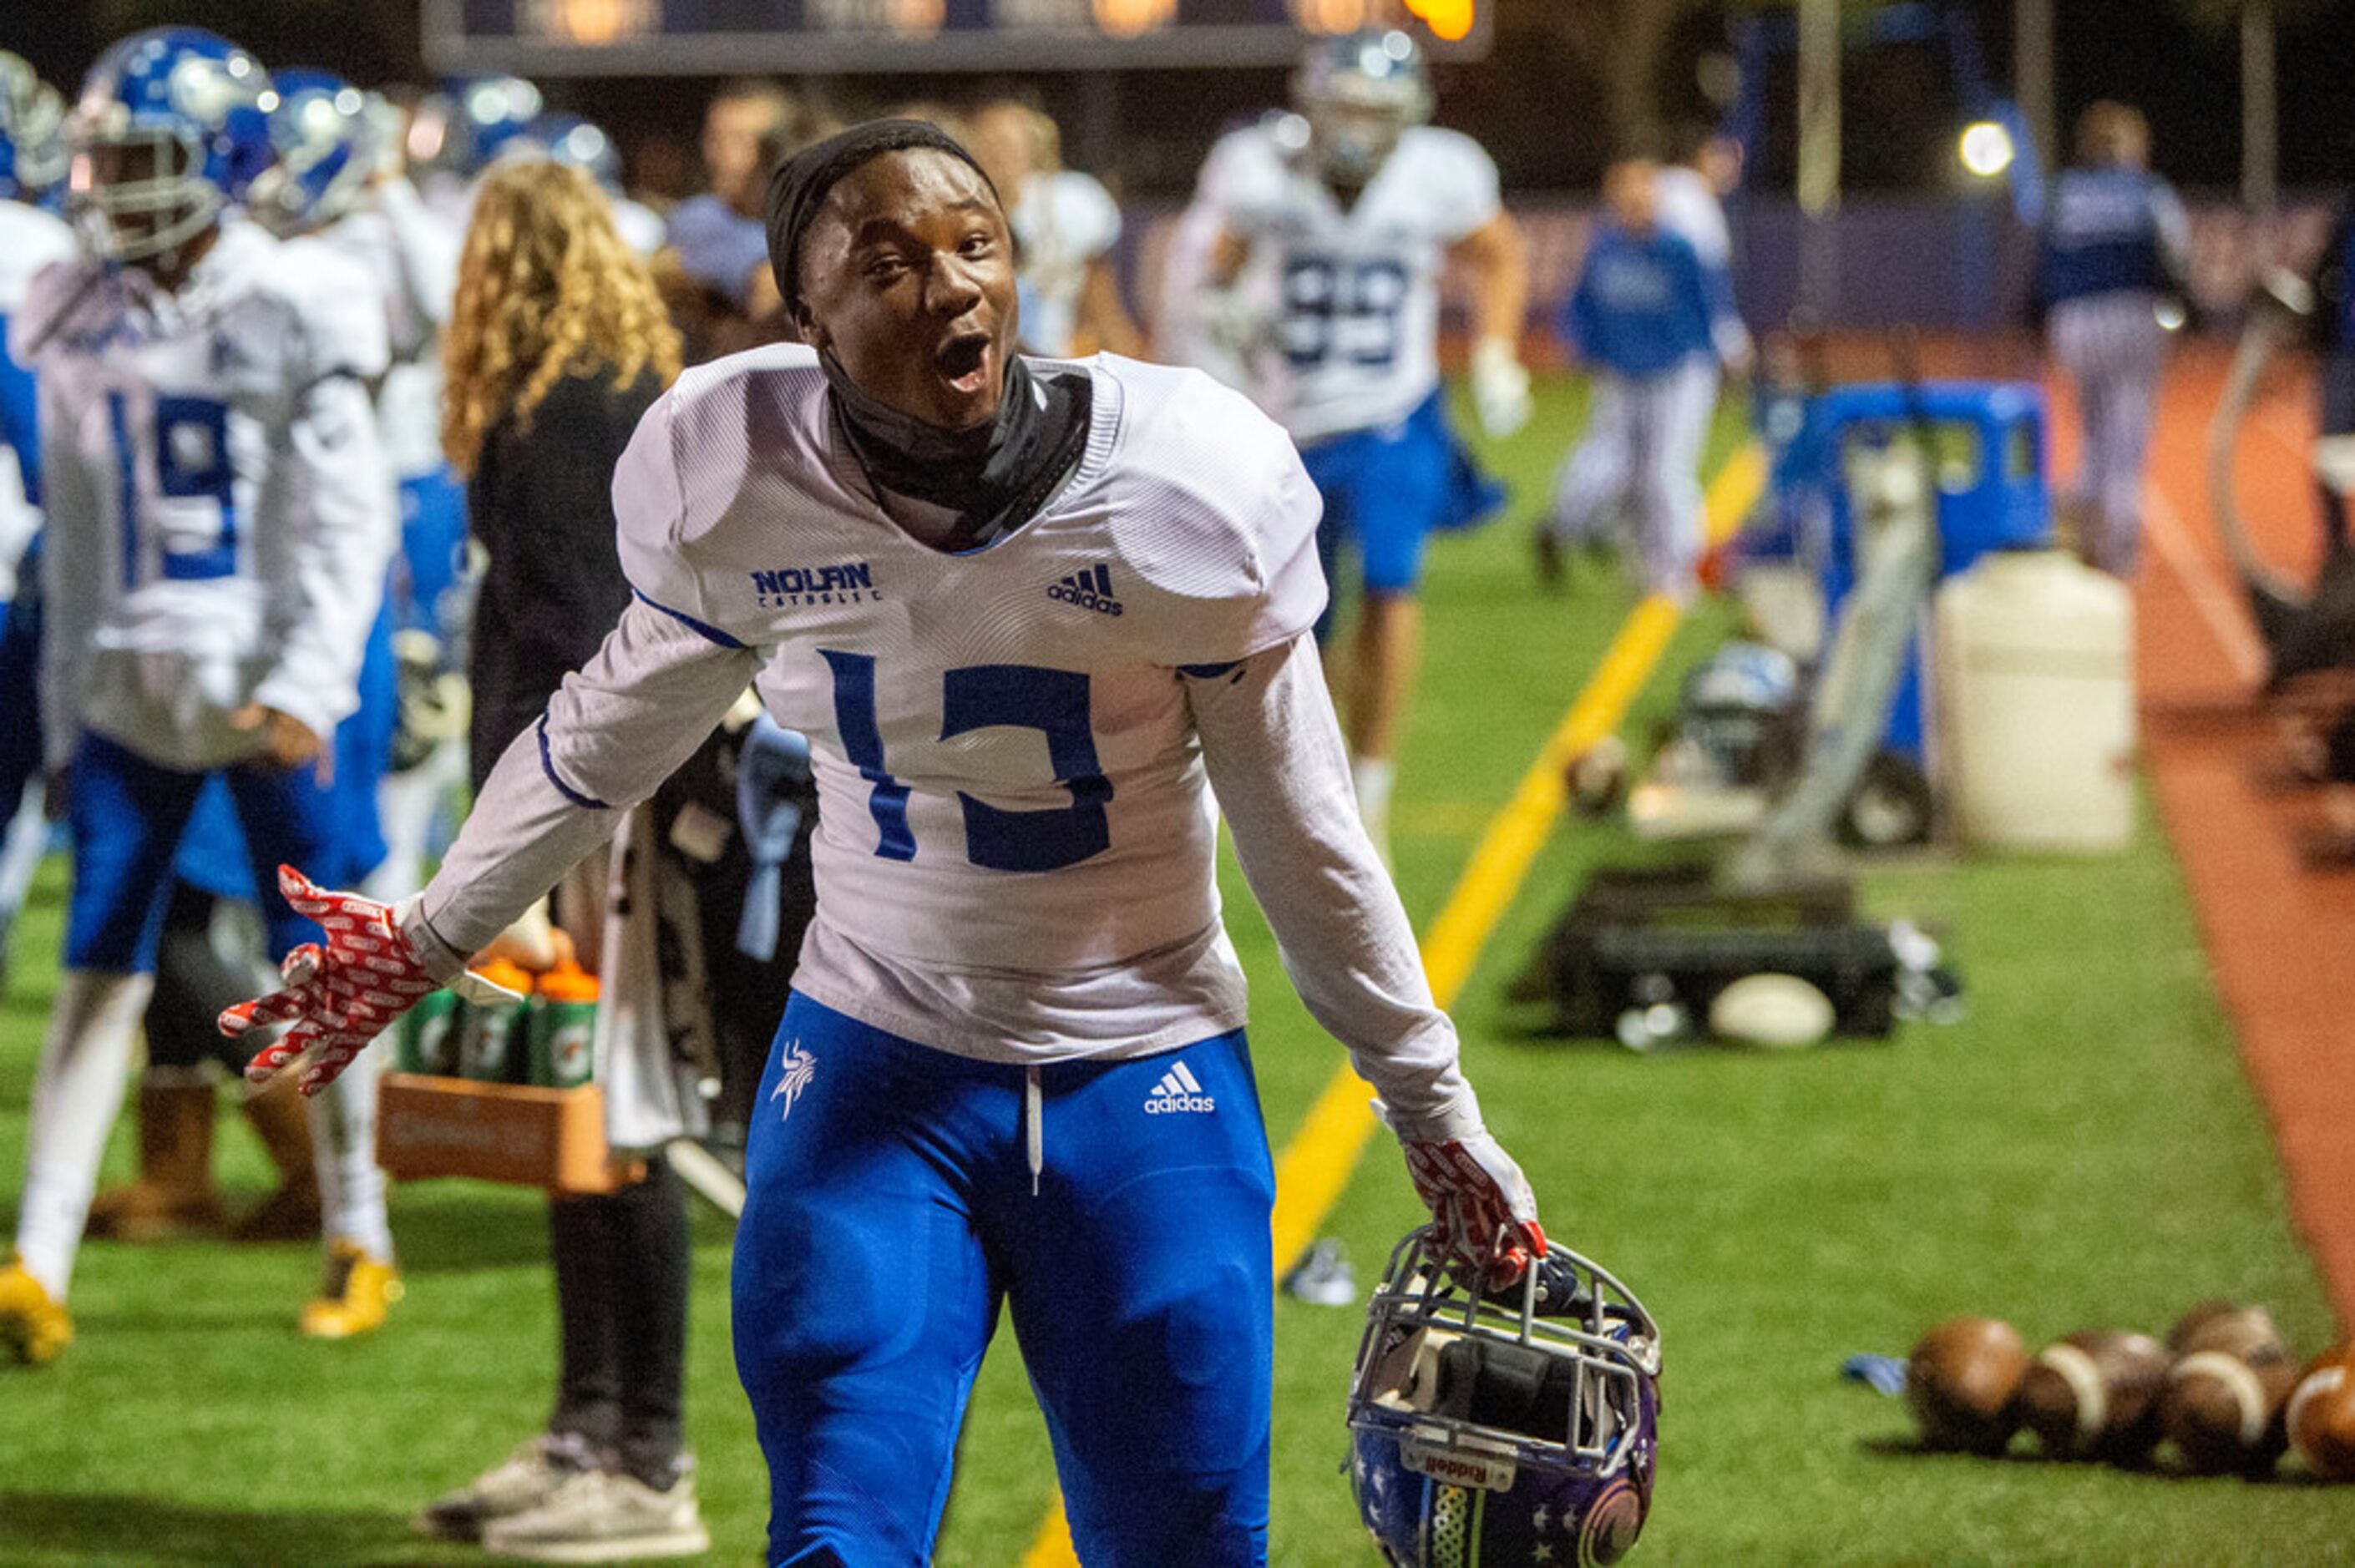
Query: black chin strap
(995, 476)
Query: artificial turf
(2080, 1151)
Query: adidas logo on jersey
(1178, 1090)
(1089, 589)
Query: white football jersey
(30, 239)
(220, 516)
(1062, 224)
(411, 253)
(1355, 342)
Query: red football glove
(339, 997)
(1486, 1213)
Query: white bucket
(2035, 663)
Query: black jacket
(541, 504)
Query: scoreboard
(723, 37)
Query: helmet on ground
(172, 128)
(32, 130)
(1360, 93)
(1743, 712)
(328, 141)
(1515, 1428)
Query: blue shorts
(128, 816)
(1386, 489)
(892, 1209)
(433, 551)
(363, 756)
(212, 854)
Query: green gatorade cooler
(428, 1042)
(492, 1046)
(563, 1023)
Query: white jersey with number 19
(1356, 338)
(220, 516)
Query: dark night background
(1535, 102)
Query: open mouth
(964, 361)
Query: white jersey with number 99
(1355, 342)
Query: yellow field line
(1316, 1164)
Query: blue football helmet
(32, 130)
(328, 140)
(1359, 94)
(461, 129)
(172, 128)
(573, 141)
(1514, 1428)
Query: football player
(340, 177)
(1350, 233)
(1065, 226)
(2112, 265)
(1652, 321)
(219, 528)
(32, 159)
(1024, 614)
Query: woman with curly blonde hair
(556, 347)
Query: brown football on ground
(2094, 1395)
(2223, 1413)
(1960, 1383)
(2321, 1416)
(2247, 1332)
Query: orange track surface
(2280, 937)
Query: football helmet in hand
(1515, 1427)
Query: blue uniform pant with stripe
(898, 1194)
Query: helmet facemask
(1359, 96)
(1547, 1391)
(132, 192)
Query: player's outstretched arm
(341, 994)
(1276, 757)
(611, 735)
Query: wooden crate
(555, 1138)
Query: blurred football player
(2111, 272)
(1065, 226)
(32, 161)
(1212, 328)
(457, 132)
(340, 177)
(1023, 613)
(1653, 324)
(218, 528)
(1354, 230)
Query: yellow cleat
(358, 1290)
(34, 1326)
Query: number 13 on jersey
(987, 696)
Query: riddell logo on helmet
(1456, 1468)
(1178, 1090)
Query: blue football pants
(128, 815)
(897, 1194)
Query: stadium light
(1986, 149)
(1130, 18)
